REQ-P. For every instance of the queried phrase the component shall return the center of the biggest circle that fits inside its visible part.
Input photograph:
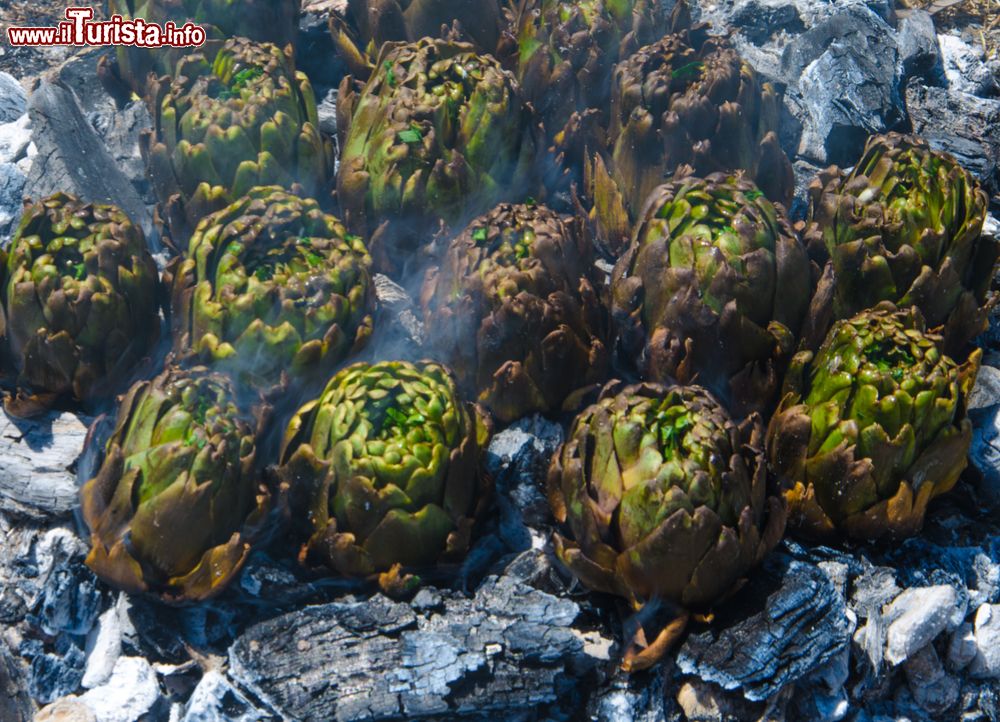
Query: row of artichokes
(381, 469)
(861, 335)
(854, 326)
(584, 101)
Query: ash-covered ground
(857, 632)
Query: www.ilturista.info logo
(79, 28)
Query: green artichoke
(79, 306)
(176, 503)
(715, 286)
(664, 495)
(370, 24)
(905, 225)
(272, 287)
(384, 467)
(565, 52)
(222, 126)
(686, 100)
(871, 428)
(272, 21)
(439, 133)
(519, 272)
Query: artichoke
(175, 505)
(271, 286)
(517, 273)
(222, 126)
(905, 225)
(439, 133)
(872, 427)
(715, 286)
(565, 52)
(370, 24)
(665, 497)
(79, 306)
(384, 468)
(686, 100)
(273, 21)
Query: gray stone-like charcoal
(73, 159)
(509, 649)
(15, 704)
(13, 100)
(803, 625)
(37, 479)
(827, 63)
(517, 460)
(964, 125)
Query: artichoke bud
(79, 308)
(368, 25)
(439, 133)
(686, 100)
(715, 286)
(271, 21)
(383, 469)
(872, 427)
(519, 272)
(176, 504)
(565, 54)
(271, 287)
(238, 118)
(905, 226)
(664, 497)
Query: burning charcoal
(916, 618)
(804, 625)
(509, 651)
(13, 99)
(215, 698)
(518, 459)
(36, 478)
(54, 675)
(71, 155)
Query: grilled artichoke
(518, 273)
(438, 133)
(176, 503)
(273, 21)
(384, 469)
(79, 305)
(905, 225)
(565, 52)
(686, 100)
(370, 24)
(665, 498)
(715, 287)
(222, 126)
(272, 287)
(872, 427)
